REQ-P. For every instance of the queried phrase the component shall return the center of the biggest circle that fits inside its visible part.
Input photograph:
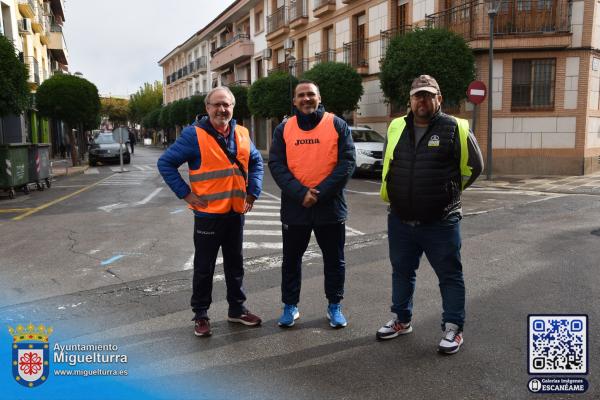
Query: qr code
(557, 344)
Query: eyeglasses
(219, 105)
(424, 95)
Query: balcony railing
(356, 53)
(277, 20)
(523, 17)
(241, 82)
(239, 36)
(300, 66)
(200, 63)
(173, 77)
(387, 36)
(281, 67)
(298, 9)
(190, 67)
(55, 28)
(184, 71)
(34, 69)
(325, 56)
(179, 73)
(168, 79)
(321, 3)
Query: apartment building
(35, 28)
(546, 75)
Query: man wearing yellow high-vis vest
(429, 159)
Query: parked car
(105, 149)
(369, 150)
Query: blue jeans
(440, 241)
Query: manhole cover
(596, 232)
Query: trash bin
(14, 171)
(39, 164)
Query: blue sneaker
(290, 314)
(335, 316)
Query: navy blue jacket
(331, 205)
(186, 149)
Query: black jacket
(424, 179)
(331, 205)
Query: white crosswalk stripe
(131, 178)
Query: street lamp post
(291, 61)
(492, 12)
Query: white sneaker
(451, 340)
(392, 329)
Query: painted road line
(261, 207)
(263, 245)
(365, 193)
(262, 222)
(112, 259)
(261, 201)
(271, 196)
(149, 197)
(14, 210)
(111, 207)
(264, 214)
(91, 171)
(177, 211)
(260, 232)
(374, 182)
(355, 231)
(189, 264)
(44, 206)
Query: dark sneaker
(247, 318)
(202, 327)
(392, 329)
(451, 340)
(289, 315)
(335, 316)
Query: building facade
(35, 28)
(546, 75)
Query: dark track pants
(331, 239)
(225, 232)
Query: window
(533, 83)
(258, 21)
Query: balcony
(241, 82)
(298, 13)
(348, 1)
(546, 20)
(168, 79)
(356, 54)
(281, 67)
(300, 66)
(58, 8)
(34, 70)
(277, 23)
(323, 7)
(57, 45)
(173, 77)
(385, 37)
(325, 56)
(27, 8)
(236, 49)
(200, 64)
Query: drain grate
(596, 232)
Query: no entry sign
(476, 92)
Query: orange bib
(311, 155)
(218, 180)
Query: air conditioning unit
(288, 44)
(267, 53)
(25, 26)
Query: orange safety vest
(218, 180)
(311, 155)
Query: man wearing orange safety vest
(225, 174)
(311, 159)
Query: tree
(164, 119)
(150, 120)
(241, 110)
(72, 99)
(117, 110)
(339, 84)
(436, 52)
(196, 106)
(147, 99)
(269, 97)
(14, 90)
(180, 112)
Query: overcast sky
(116, 43)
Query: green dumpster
(14, 171)
(39, 164)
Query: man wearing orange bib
(225, 174)
(311, 159)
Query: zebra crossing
(134, 176)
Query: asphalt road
(111, 264)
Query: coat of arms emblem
(30, 354)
